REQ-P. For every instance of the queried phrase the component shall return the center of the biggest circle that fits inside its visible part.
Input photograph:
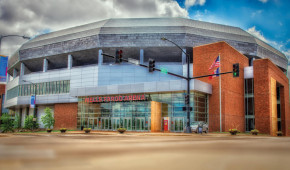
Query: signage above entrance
(115, 98)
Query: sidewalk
(130, 133)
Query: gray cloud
(33, 17)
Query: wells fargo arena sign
(126, 98)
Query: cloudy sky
(266, 19)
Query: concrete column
(273, 123)
(141, 56)
(69, 62)
(7, 78)
(45, 64)
(184, 65)
(100, 59)
(22, 69)
(183, 57)
(155, 116)
(15, 73)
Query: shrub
(48, 119)
(29, 123)
(17, 122)
(7, 123)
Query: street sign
(164, 70)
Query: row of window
(54, 87)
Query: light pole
(34, 109)
(4, 36)
(187, 97)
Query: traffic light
(186, 98)
(117, 56)
(151, 65)
(236, 70)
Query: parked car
(194, 126)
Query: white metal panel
(249, 72)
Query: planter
(121, 130)
(255, 132)
(279, 133)
(233, 131)
(87, 130)
(62, 130)
(48, 130)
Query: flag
(217, 71)
(216, 63)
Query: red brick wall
(264, 69)
(233, 115)
(65, 115)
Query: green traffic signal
(236, 70)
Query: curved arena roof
(143, 32)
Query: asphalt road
(143, 151)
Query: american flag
(216, 63)
(217, 71)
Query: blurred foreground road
(138, 151)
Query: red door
(165, 125)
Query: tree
(7, 123)
(29, 123)
(48, 119)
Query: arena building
(68, 73)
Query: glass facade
(136, 115)
(249, 104)
(54, 87)
(4, 110)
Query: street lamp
(4, 36)
(34, 109)
(187, 97)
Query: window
(249, 104)
(45, 88)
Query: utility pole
(187, 97)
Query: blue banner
(32, 102)
(3, 68)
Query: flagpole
(220, 93)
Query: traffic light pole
(187, 78)
(188, 129)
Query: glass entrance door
(127, 123)
(115, 123)
(105, 123)
(139, 124)
(177, 124)
(93, 123)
